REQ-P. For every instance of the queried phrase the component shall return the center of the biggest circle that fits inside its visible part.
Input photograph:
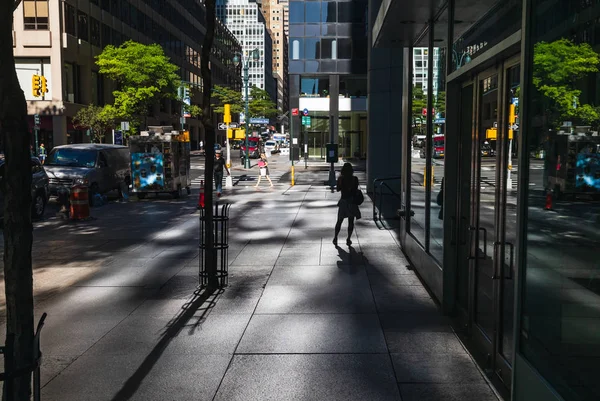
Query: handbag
(358, 198)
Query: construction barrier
(80, 203)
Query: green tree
(18, 229)
(97, 119)
(440, 104)
(419, 102)
(143, 75)
(557, 69)
(222, 95)
(260, 104)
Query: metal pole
(292, 147)
(247, 117)
(37, 149)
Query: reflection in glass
(297, 48)
(560, 333)
(313, 12)
(310, 48)
(314, 87)
(296, 12)
(329, 12)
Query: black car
(40, 191)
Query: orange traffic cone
(548, 201)
(201, 197)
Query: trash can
(220, 244)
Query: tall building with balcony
(60, 40)
(244, 19)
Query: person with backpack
(263, 167)
(348, 204)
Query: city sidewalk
(300, 319)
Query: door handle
(471, 229)
(484, 242)
(512, 260)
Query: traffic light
(226, 113)
(36, 82)
(186, 92)
(44, 85)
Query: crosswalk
(241, 178)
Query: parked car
(271, 146)
(487, 150)
(100, 167)
(40, 191)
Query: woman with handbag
(263, 167)
(347, 184)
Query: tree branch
(17, 2)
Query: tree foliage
(222, 95)
(440, 103)
(143, 75)
(261, 104)
(95, 118)
(558, 67)
(419, 102)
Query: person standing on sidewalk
(347, 184)
(218, 172)
(263, 167)
(42, 152)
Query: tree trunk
(209, 132)
(18, 274)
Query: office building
(244, 19)
(499, 217)
(327, 75)
(60, 40)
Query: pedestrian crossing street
(241, 178)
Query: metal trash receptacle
(220, 244)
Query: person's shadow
(349, 260)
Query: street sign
(222, 126)
(117, 137)
(259, 121)
(295, 112)
(306, 121)
(124, 125)
(36, 119)
(305, 112)
(234, 125)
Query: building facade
(327, 75)
(273, 13)
(503, 232)
(420, 68)
(60, 40)
(244, 19)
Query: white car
(271, 146)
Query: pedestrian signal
(44, 82)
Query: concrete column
(59, 130)
(384, 141)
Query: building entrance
(487, 205)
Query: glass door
(487, 216)
(316, 144)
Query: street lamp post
(237, 59)
(459, 60)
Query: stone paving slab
(309, 377)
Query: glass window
(560, 322)
(313, 30)
(328, 29)
(69, 82)
(311, 48)
(296, 12)
(297, 48)
(296, 30)
(95, 32)
(35, 14)
(82, 26)
(70, 157)
(313, 12)
(70, 20)
(344, 48)
(314, 87)
(329, 12)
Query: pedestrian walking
(347, 184)
(263, 168)
(42, 153)
(218, 172)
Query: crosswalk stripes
(239, 178)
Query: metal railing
(12, 373)
(379, 185)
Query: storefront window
(352, 134)
(560, 332)
(314, 87)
